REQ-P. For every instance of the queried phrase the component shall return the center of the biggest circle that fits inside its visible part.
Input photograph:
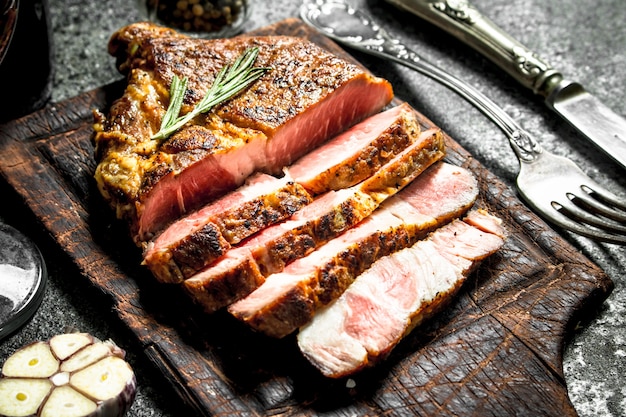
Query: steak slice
(309, 228)
(406, 166)
(196, 240)
(289, 299)
(396, 294)
(315, 224)
(244, 268)
(329, 215)
(358, 153)
(307, 97)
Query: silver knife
(586, 113)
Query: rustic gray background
(585, 39)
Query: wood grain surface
(496, 350)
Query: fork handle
(465, 22)
(384, 45)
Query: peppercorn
(200, 16)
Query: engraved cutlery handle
(464, 21)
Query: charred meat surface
(242, 269)
(406, 166)
(307, 97)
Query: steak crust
(266, 127)
(244, 268)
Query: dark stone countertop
(586, 40)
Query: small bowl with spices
(199, 18)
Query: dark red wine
(26, 68)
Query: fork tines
(595, 212)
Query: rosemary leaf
(229, 81)
(177, 94)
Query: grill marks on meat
(195, 241)
(310, 227)
(358, 153)
(308, 97)
(289, 299)
(396, 294)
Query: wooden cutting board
(497, 350)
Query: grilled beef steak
(395, 294)
(289, 299)
(241, 270)
(308, 228)
(196, 240)
(272, 203)
(314, 225)
(307, 97)
(357, 153)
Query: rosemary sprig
(229, 81)
(177, 94)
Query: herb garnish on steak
(308, 97)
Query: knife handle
(465, 22)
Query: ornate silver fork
(553, 186)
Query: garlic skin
(70, 375)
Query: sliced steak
(244, 268)
(309, 228)
(231, 278)
(396, 294)
(312, 226)
(289, 299)
(359, 152)
(442, 190)
(406, 166)
(307, 97)
(196, 240)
